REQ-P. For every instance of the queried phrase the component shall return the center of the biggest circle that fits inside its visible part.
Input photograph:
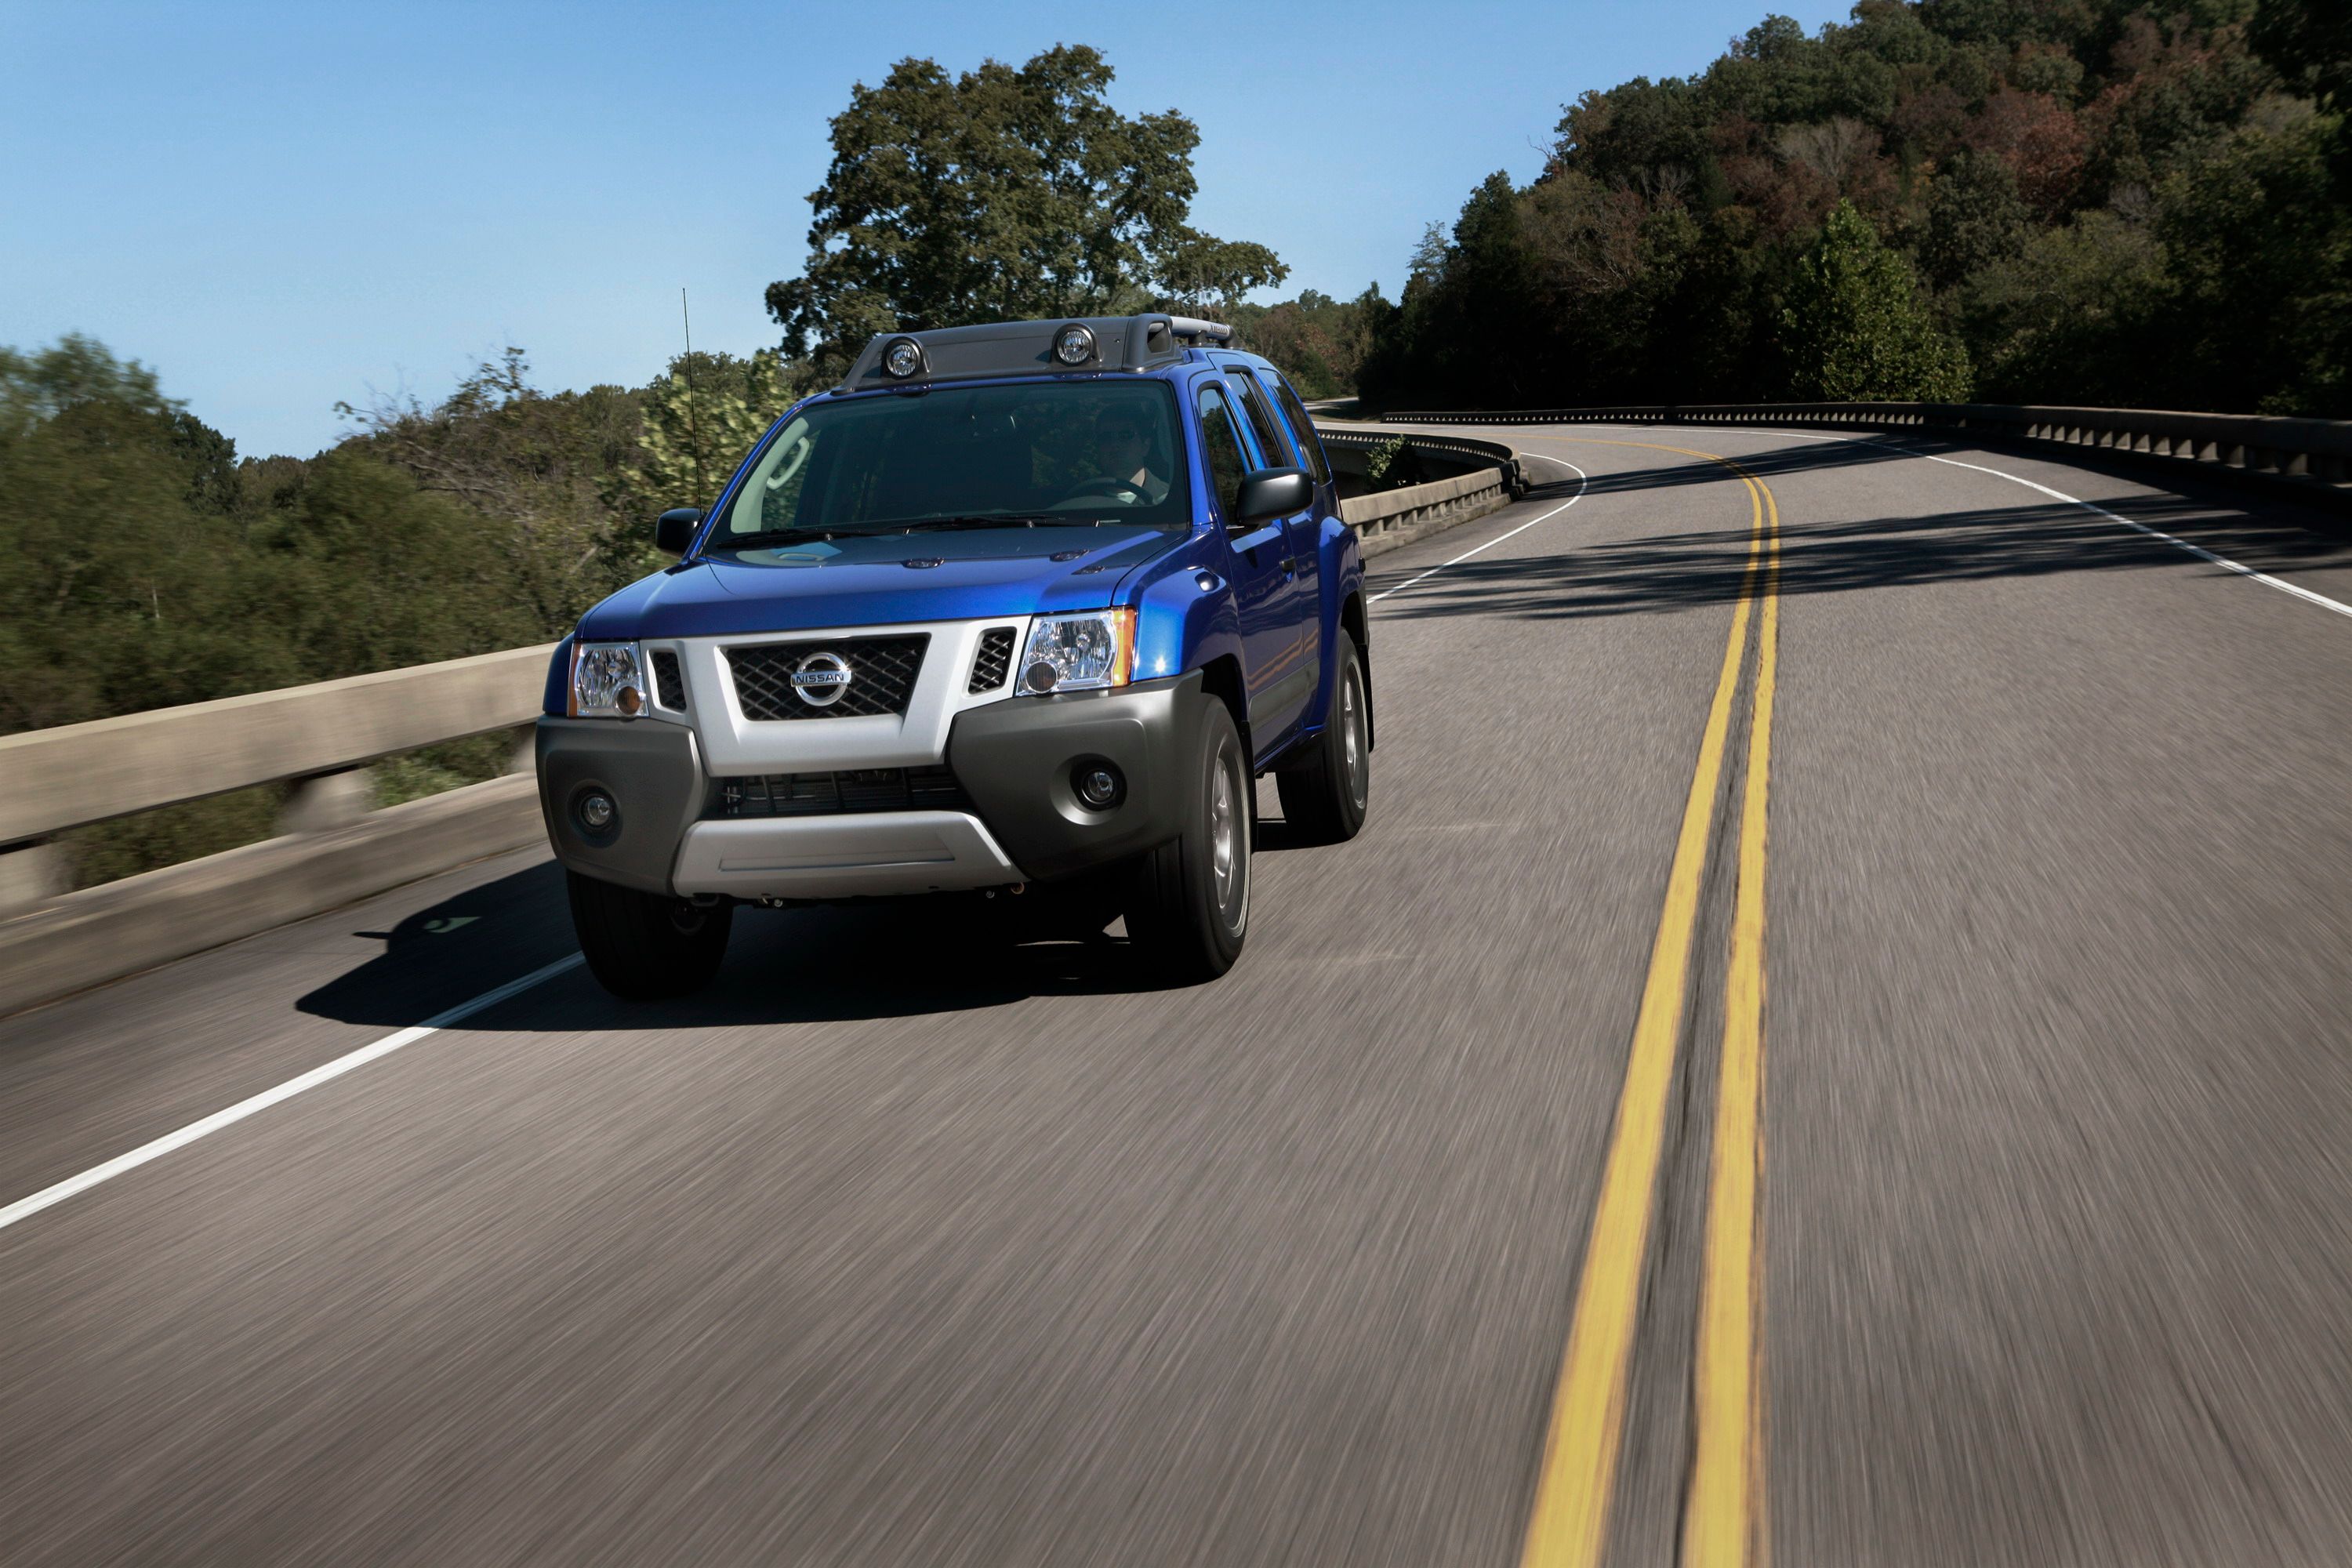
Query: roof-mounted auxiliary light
(1074, 344)
(902, 357)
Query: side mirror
(1270, 493)
(674, 530)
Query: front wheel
(640, 946)
(1188, 901)
(1326, 793)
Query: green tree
(548, 468)
(2309, 43)
(368, 570)
(2259, 250)
(2066, 319)
(700, 417)
(1974, 217)
(1855, 328)
(120, 571)
(1001, 193)
(75, 370)
(1318, 342)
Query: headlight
(1079, 653)
(607, 680)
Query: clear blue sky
(280, 206)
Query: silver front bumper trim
(866, 854)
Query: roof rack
(1095, 344)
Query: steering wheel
(1107, 485)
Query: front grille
(842, 794)
(994, 662)
(670, 682)
(882, 673)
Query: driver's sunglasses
(1119, 433)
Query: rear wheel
(1326, 793)
(639, 946)
(1188, 901)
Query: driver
(1122, 450)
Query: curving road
(1836, 1045)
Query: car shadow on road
(888, 958)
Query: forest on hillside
(2106, 202)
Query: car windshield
(1036, 454)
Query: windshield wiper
(975, 519)
(769, 536)
(909, 525)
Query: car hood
(880, 581)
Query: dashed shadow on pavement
(1682, 569)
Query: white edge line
(2322, 600)
(1581, 480)
(25, 1207)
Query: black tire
(640, 946)
(1326, 793)
(1188, 901)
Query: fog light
(597, 811)
(1098, 784)
(1041, 676)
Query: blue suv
(1030, 603)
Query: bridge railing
(332, 848)
(317, 735)
(2314, 456)
(1387, 520)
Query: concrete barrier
(2312, 458)
(1394, 519)
(1389, 520)
(79, 773)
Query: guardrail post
(524, 758)
(326, 801)
(31, 875)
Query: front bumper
(1013, 759)
(855, 855)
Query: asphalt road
(1917, 1136)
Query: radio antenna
(693, 430)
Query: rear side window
(1222, 445)
(1302, 427)
(1261, 418)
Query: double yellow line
(1723, 1503)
